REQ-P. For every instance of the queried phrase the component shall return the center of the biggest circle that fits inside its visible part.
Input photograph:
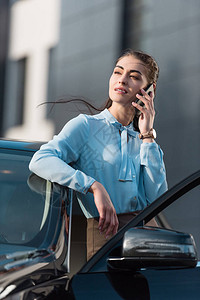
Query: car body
(42, 243)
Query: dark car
(43, 241)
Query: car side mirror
(150, 247)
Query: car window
(183, 215)
(27, 202)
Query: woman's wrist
(94, 186)
(148, 136)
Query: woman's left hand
(146, 119)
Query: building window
(20, 91)
(14, 94)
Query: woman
(115, 170)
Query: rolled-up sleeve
(153, 171)
(52, 161)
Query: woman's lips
(120, 90)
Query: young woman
(111, 159)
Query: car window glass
(26, 202)
(183, 215)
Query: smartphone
(148, 90)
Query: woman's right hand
(108, 221)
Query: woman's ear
(154, 87)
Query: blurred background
(50, 49)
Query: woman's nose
(123, 80)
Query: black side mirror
(150, 247)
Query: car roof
(20, 145)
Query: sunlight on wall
(34, 30)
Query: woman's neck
(122, 114)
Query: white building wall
(34, 30)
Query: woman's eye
(134, 77)
(117, 72)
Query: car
(43, 241)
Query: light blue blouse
(98, 148)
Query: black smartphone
(148, 90)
